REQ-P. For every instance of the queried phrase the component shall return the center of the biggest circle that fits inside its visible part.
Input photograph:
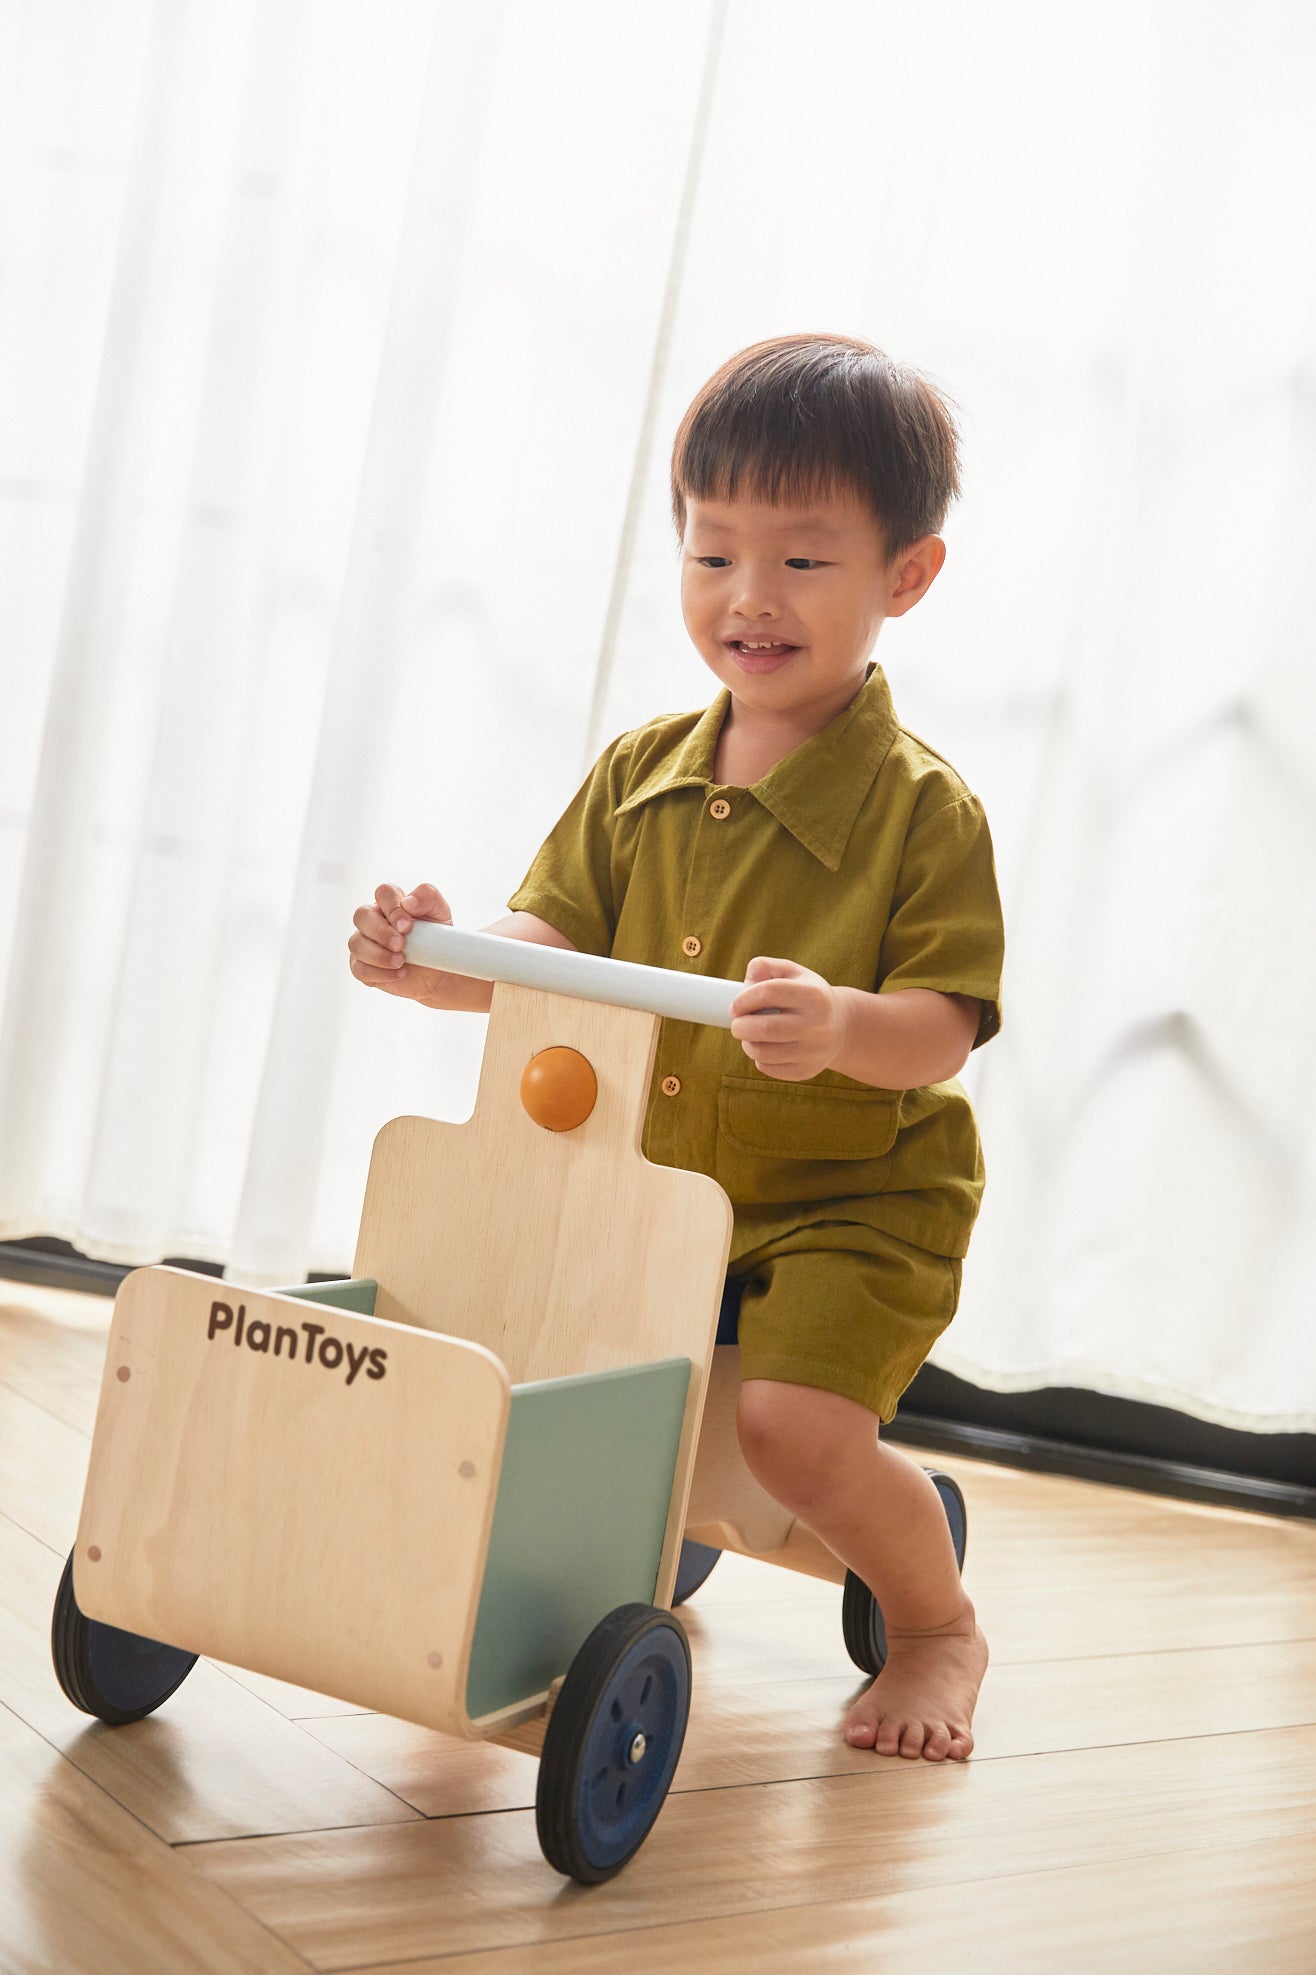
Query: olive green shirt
(861, 855)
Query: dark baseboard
(1065, 1430)
(58, 1265)
(1054, 1430)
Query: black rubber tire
(116, 1676)
(632, 1673)
(862, 1626)
(695, 1567)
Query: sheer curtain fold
(350, 339)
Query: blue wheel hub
(632, 1746)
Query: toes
(911, 1741)
(897, 1737)
(887, 1741)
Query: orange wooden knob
(559, 1089)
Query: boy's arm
(792, 1023)
(524, 925)
(908, 1037)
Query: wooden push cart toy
(462, 1487)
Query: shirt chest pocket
(779, 1142)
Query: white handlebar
(524, 963)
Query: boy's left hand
(806, 1028)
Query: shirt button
(692, 946)
(671, 1086)
(721, 808)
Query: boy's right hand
(376, 945)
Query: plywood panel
(277, 1511)
(43, 1465)
(728, 1507)
(561, 1252)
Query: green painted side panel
(583, 1496)
(358, 1295)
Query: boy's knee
(789, 1438)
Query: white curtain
(341, 347)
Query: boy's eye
(792, 562)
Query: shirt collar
(817, 790)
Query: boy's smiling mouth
(760, 654)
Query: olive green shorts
(856, 1316)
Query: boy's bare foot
(921, 1703)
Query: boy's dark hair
(801, 415)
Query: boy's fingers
(374, 924)
(375, 937)
(777, 1025)
(372, 954)
(764, 968)
(426, 902)
(386, 977)
(389, 899)
(764, 995)
(777, 1057)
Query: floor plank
(52, 1348)
(1164, 1603)
(85, 1891)
(404, 1891)
(43, 1464)
(1244, 1909)
(791, 1729)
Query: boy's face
(807, 586)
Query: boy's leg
(820, 1456)
(855, 1313)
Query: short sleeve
(573, 883)
(946, 931)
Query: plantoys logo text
(329, 1351)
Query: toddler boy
(793, 834)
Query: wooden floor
(1142, 1797)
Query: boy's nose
(755, 606)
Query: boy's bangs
(747, 473)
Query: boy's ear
(914, 573)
